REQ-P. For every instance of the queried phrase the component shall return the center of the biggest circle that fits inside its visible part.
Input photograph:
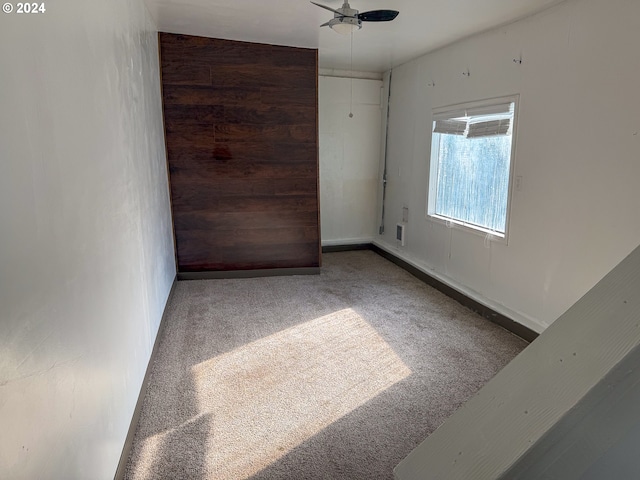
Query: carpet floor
(331, 376)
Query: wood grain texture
(203, 95)
(193, 114)
(287, 96)
(266, 115)
(213, 51)
(176, 74)
(238, 133)
(218, 221)
(242, 144)
(286, 255)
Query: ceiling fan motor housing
(346, 19)
(339, 20)
(346, 11)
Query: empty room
(320, 240)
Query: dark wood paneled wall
(242, 144)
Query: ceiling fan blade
(326, 24)
(378, 15)
(327, 8)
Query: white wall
(577, 151)
(349, 158)
(86, 250)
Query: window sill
(490, 235)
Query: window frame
(430, 214)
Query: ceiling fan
(346, 19)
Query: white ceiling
(422, 26)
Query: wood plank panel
(232, 187)
(243, 238)
(288, 96)
(258, 253)
(288, 255)
(216, 221)
(201, 199)
(238, 133)
(199, 135)
(201, 95)
(246, 152)
(233, 170)
(207, 51)
(270, 115)
(241, 132)
(193, 114)
(264, 75)
(179, 74)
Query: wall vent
(400, 233)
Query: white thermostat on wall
(400, 233)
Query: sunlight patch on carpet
(267, 397)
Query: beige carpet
(332, 376)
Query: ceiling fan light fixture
(346, 20)
(345, 25)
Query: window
(471, 155)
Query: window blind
(499, 109)
(450, 127)
(489, 128)
(486, 121)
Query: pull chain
(351, 79)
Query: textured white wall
(86, 250)
(577, 151)
(349, 158)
